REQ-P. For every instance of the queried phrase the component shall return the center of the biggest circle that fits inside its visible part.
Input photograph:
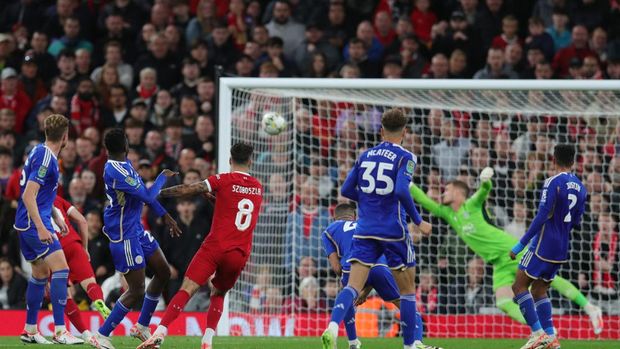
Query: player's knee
(189, 286)
(517, 288)
(164, 274)
(217, 292)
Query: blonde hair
(55, 126)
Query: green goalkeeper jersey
(486, 240)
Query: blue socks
(349, 323)
(34, 297)
(58, 295)
(408, 317)
(148, 307)
(543, 309)
(419, 328)
(116, 316)
(343, 302)
(526, 304)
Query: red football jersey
(239, 197)
(64, 206)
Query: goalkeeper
(465, 215)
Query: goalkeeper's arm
(426, 202)
(486, 185)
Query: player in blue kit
(337, 239)
(562, 204)
(132, 247)
(38, 244)
(379, 182)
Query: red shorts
(210, 259)
(77, 259)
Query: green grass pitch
(315, 343)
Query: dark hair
(564, 155)
(460, 185)
(119, 86)
(133, 123)
(393, 120)
(241, 153)
(174, 122)
(344, 210)
(275, 41)
(190, 61)
(6, 151)
(115, 141)
(68, 53)
(356, 41)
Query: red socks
(74, 315)
(175, 307)
(216, 305)
(94, 291)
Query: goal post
(457, 128)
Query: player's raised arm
(481, 195)
(183, 190)
(547, 202)
(420, 197)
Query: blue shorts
(380, 278)
(536, 268)
(400, 255)
(132, 254)
(32, 248)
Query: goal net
(456, 129)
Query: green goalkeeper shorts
(505, 271)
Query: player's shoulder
(117, 168)
(555, 180)
(43, 154)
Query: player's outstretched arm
(30, 201)
(185, 190)
(547, 202)
(481, 195)
(420, 197)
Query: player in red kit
(226, 249)
(80, 271)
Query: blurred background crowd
(149, 66)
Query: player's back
(565, 197)
(122, 217)
(381, 214)
(41, 167)
(337, 238)
(238, 201)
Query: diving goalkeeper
(465, 215)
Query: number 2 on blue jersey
(573, 201)
(369, 167)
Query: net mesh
(288, 288)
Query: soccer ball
(273, 123)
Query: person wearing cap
(13, 98)
(314, 42)
(29, 81)
(579, 48)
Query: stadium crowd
(149, 66)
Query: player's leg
(349, 319)
(504, 273)
(568, 290)
(80, 271)
(364, 253)
(34, 298)
(75, 317)
(543, 305)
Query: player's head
(393, 124)
(455, 191)
(564, 155)
(344, 212)
(56, 128)
(241, 154)
(115, 142)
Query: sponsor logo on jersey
(42, 171)
(410, 166)
(131, 181)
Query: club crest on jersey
(131, 181)
(139, 259)
(410, 166)
(42, 171)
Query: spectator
(403, 29)
(517, 227)
(154, 151)
(203, 138)
(413, 61)
(237, 25)
(63, 10)
(366, 36)
(285, 27)
(598, 44)
(200, 53)
(188, 112)
(12, 286)
(116, 112)
(358, 55)
(38, 51)
(591, 68)
(476, 294)
(559, 30)
(513, 56)
(176, 44)
(173, 142)
(458, 68)
(590, 13)
(423, 19)
(206, 95)
(260, 287)
(315, 43)
(222, 51)
(339, 27)
(350, 71)
(309, 299)
(244, 66)
(29, 81)
(392, 69)
(162, 109)
(71, 39)
(427, 293)
(187, 87)
(78, 196)
(577, 49)
(439, 67)
(450, 153)
(276, 56)
(384, 28)
(202, 25)
(13, 98)
(68, 71)
(84, 108)
(273, 301)
(539, 38)
(147, 87)
(543, 71)
(7, 119)
(6, 168)
(495, 68)
(116, 31)
(509, 35)
(489, 21)
(83, 62)
(186, 160)
(161, 60)
(113, 58)
(458, 35)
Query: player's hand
(486, 174)
(169, 173)
(513, 256)
(86, 250)
(425, 228)
(45, 236)
(172, 225)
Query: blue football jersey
(41, 167)
(382, 175)
(127, 194)
(562, 204)
(337, 239)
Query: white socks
(208, 336)
(161, 330)
(59, 329)
(333, 328)
(31, 329)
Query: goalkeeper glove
(486, 174)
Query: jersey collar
(247, 174)
(50, 150)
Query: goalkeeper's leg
(504, 301)
(568, 290)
